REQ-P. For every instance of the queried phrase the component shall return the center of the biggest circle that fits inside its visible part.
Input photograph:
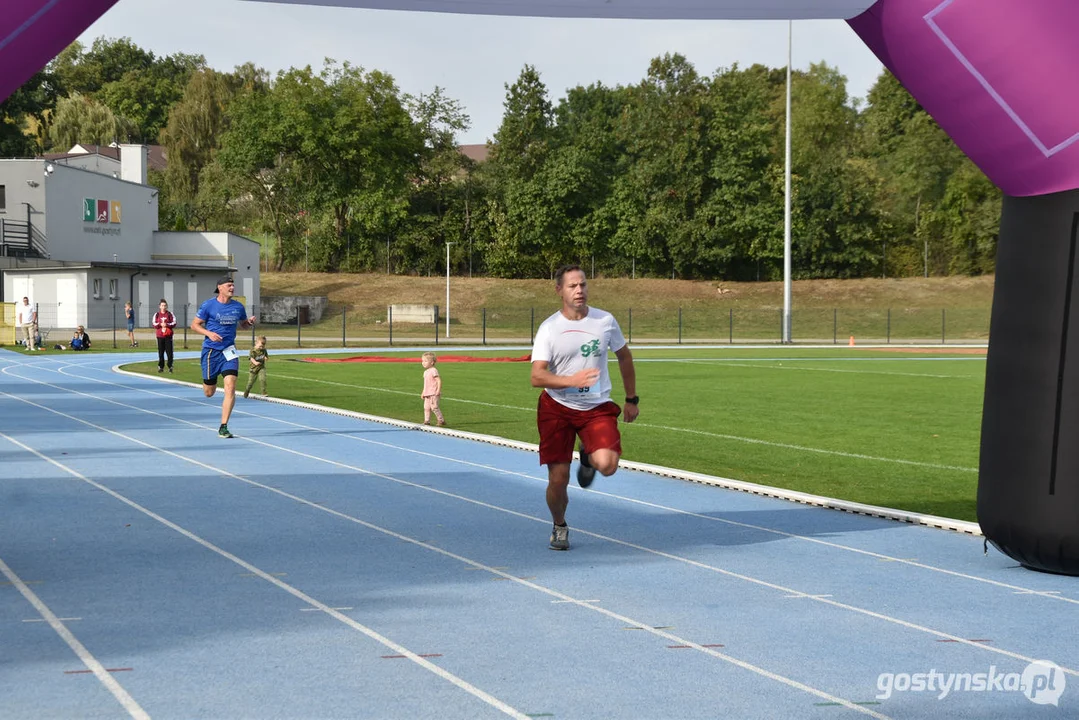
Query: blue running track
(322, 565)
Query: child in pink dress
(432, 389)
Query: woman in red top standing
(164, 322)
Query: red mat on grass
(441, 359)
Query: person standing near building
(129, 318)
(164, 322)
(218, 319)
(569, 361)
(26, 318)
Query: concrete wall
(24, 182)
(213, 250)
(281, 309)
(412, 313)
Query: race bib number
(230, 353)
(587, 394)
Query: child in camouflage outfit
(258, 357)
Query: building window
(114, 285)
(3, 198)
(97, 288)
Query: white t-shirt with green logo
(569, 346)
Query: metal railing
(358, 326)
(21, 238)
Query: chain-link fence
(356, 326)
(359, 326)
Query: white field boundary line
(786, 591)
(1054, 594)
(775, 365)
(92, 663)
(557, 595)
(258, 572)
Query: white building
(80, 242)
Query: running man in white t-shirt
(569, 360)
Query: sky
(474, 57)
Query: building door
(23, 287)
(144, 303)
(249, 294)
(166, 293)
(67, 303)
(192, 302)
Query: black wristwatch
(634, 400)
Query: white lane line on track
(670, 556)
(268, 577)
(704, 433)
(911, 562)
(789, 682)
(92, 664)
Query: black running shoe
(585, 472)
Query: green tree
(665, 178)
(745, 208)
(438, 213)
(518, 154)
(145, 95)
(328, 159)
(79, 119)
(833, 208)
(191, 137)
(24, 114)
(86, 72)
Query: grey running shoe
(223, 432)
(560, 537)
(585, 472)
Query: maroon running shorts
(559, 427)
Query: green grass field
(870, 426)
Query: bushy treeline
(680, 175)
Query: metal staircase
(19, 238)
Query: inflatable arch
(999, 78)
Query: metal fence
(352, 326)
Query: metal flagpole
(787, 204)
(448, 288)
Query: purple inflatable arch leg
(33, 32)
(998, 77)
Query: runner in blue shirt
(217, 319)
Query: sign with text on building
(101, 212)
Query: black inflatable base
(1028, 481)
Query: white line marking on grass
(268, 577)
(911, 562)
(777, 365)
(667, 428)
(803, 448)
(624, 543)
(104, 677)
